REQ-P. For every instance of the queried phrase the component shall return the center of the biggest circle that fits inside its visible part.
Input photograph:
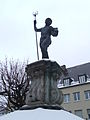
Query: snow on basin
(40, 114)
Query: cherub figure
(46, 33)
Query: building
(76, 90)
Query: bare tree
(14, 84)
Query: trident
(34, 14)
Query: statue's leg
(44, 50)
(44, 46)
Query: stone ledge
(44, 106)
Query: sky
(40, 114)
(17, 36)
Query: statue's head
(48, 21)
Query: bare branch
(14, 83)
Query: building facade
(76, 91)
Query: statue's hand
(56, 29)
(35, 21)
(54, 32)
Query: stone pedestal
(43, 76)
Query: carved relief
(36, 89)
(43, 86)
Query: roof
(73, 72)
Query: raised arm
(35, 28)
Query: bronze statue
(46, 33)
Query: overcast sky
(72, 17)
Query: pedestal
(43, 76)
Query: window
(79, 113)
(66, 98)
(87, 94)
(82, 78)
(76, 96)
(0, 87)
(66, 82)
(88, 112)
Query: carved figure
(46, 33)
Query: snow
(40, 114)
